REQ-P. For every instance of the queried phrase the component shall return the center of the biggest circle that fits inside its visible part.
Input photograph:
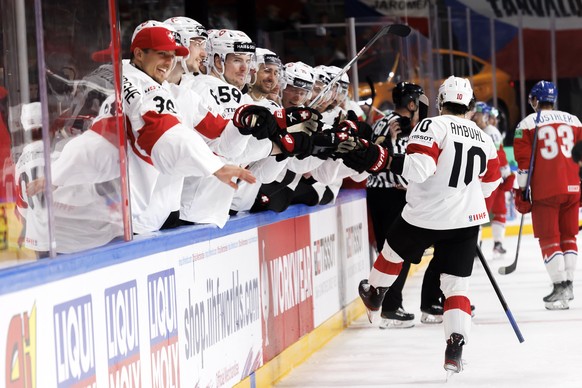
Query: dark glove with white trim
(255, 120)
(299, 119)
(369, 157)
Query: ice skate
(558, 298)
(453, 354)
(372, 297)
(398, 319)
(498, 250)
(432, 315)
(570, 289)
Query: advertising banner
(355, 246)
(286, 283)
(535, 14)
(219, 311)
(401, 8)
(326, 264)
(187, 315)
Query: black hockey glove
(368, 157)
(299, 119)
(328, 142)
(298, 144)
(255, 120)
(363, 129)
(296, 125)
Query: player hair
(455, 109)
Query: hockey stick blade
(509, 269)
(398, 29)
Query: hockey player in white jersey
(451, 166)
(231, 57)
(194, 36)
(30, 167)
(86, 195)
(267, 76)
(163, 150)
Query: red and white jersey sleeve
(208, 117)
(155, 131)
(163, 150)
(93, 156)
(451, 166)
(554, 173)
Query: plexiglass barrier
(61, 188)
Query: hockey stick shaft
(509, 269)
(532, 158)
(370, 104)
(500, 295)
(396, 29)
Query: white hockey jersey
(162, 149)
(265, 170)
(30, 166)
(206, 200)
(451, 166)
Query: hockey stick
(499, 295)
(511, 267)
(396, 29)
(370, 102)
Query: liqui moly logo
(123, 335)
(74, 343)
(163, 325)
(20, 360)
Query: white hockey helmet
(334, 71)
(343, 83)
(455, 90)
(224, 42)
(266, 56)
(31, 116)
(299, 75)
(187, 29)
(321, 74)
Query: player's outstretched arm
(227, 172)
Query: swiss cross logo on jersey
(305, 115)
(459, 96)
(342, 136)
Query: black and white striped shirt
(387, 179)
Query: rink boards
(198, 306)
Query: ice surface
(551, 356)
